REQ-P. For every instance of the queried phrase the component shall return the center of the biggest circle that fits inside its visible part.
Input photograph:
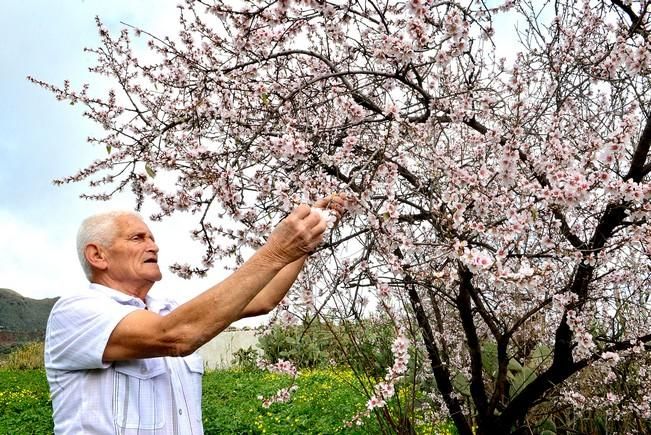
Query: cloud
(44, 139)
(39, 262)
(35, 262)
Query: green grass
(323, 401)
(24, 402)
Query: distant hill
(22, 319)
(21, 314)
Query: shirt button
(143, 369)
(180, 411)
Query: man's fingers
(309, 223)
(302, 211)
(312, 219)
(320, 226)
(337, 208)
(335, 203)
(327, 201)
(316, 241)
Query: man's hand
(302, 231)
(335, 203)
(295, 236)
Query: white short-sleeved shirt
(152, 396)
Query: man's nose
(153, 246)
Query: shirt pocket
(194, 365)
(140, 386)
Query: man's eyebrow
(141, 233)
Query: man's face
(133, 256)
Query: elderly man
(119, 361)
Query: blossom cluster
(283, 367)
(281, 396)
(280, 367)
(583, 338)
(385, 389)
(327, 215)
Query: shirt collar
(117, 296)
(159, 305)
(156, 305)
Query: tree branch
(635, 19)
(477, 389)
(439, 369)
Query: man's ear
(95, 255)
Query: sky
(42, 139)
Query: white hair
(100, 229)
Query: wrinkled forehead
(129, 224)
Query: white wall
(218, 352)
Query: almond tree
(500, 205)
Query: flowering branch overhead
(498, 203)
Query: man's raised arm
(255, 288)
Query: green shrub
(304, 345)
(364, 346)
(245, 359)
